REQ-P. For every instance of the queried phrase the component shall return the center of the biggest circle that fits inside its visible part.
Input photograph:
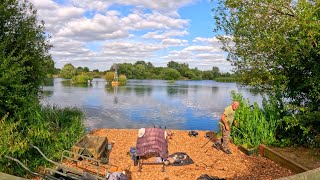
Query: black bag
(207, 177)
(193, 133)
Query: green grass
(255, 125)
(50, 128)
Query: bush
(50, 128)
(170, 74)
(81, 79)
(122, 79)
(109, 77)
(255, 125)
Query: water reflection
(68, 83)
(176, 90)
(47, 93)
(115, 95)
(144, 103)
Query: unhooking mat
(179, 162)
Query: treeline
(146, 70)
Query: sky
(99, 33)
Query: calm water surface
(188, 105)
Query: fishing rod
(208, 141)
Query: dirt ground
(310, 158)
(207, 160)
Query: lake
(185, 105)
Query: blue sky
(99, 33)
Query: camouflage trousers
(225, 136)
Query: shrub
(122, 79)
(50, 128)
(170, 74)
(81, 79)
(109, 76)
(255, 125)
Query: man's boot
(226, 150)
(217, 145)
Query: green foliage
(170, 74)
(24, 64)
(190, 75)
(299, 129)
(86, 69)
(274, 46)
(81, 79)
(109, 76)
(139, 71)
(122, 80)
(225, 79)
(253, 124)
(24, 59)
(68, 71)
(50, 128)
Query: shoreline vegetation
(144, 70)
(50, 128)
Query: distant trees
(146, 70)
(170, 74)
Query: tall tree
(24, 58)
(274, 46)
(68, 71)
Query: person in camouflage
(225, 124)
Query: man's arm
(224, 121)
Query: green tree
(274, 46)
(109, 76)
(126, 68)
(170, 74)
(141, 62)
(139, 71)
(86, 69)
(24, 58)
(79, 70)
(68, 71)
(173, 65)
(215, 72)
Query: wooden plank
(283, 161)
(4, 176)
(311, 174)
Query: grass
(50, 128)
(255, 125)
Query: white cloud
(212, 40)
(90, 33)
(153, 21)
(100, 27)
(174, 42)
(160, 5)
(128, 50)
(203, 48)
(164, 35)
(99, 5)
